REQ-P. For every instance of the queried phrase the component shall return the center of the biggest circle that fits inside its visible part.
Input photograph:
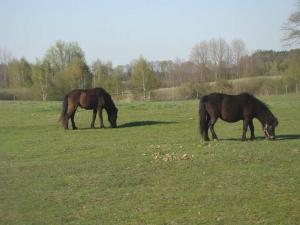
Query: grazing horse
(95, 99)
(232, 108)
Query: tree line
(64, 67)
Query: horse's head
(112, 117)
(269, 128)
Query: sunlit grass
(154, 169)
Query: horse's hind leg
(66, 121)
(212, 130)
(73, 122)
(251, 126)
(245, 127)
(93, 118)
(206, 138)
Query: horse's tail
(64, 111)
(203, 119)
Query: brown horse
(95, 99)
(232, 108)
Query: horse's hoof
(75, 128)
(92, 127)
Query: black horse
(95, 99)
(232, 108)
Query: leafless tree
(291, 28)
(220, 56)
(238, 49)
(5, 57)
(200, 53)
(200, 57)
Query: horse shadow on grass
(131, 124)
(288, 137)
(280, 137)
(240, 139)
(144, 123)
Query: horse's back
(85, 98)
(230, 108)
(74, 96)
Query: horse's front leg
(251, 126)
(101, 117)
(245, 127)
(94, 118)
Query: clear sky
(121, 31)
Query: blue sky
(121, 31)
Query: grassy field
(154, 169)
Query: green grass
(135, 174)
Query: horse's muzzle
(270, 138)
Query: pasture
(153, 169)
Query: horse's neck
(109, 105)
(263, 116)
(110, 108)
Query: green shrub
(17, 94)
(222, 86)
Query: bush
(166, 94)
(17, 94)
(183, 92)
(250, 86)
(222, 86)
(4, 95)
(259, 86)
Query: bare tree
(291, 28)
(199, 54)
(219, 55)
(238, 49)
(178, 72)
(5, 57)
(200, 57)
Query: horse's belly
(87, 107)
(86, 102)
(231, 117)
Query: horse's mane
(109, 103)
(111, 107)
(262, 106)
